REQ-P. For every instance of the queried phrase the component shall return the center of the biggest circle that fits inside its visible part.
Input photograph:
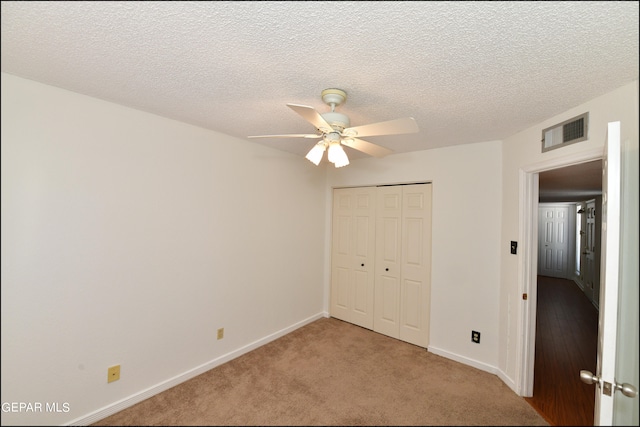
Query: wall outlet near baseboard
(113, 373)
(220, 333)
(475, 337)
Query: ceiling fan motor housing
(331, 137)
(334, 97)
(337, 121)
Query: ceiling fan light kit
(336, 155)
(335, 131)
(316, 153)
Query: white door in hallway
(589, 252)
(553, 241)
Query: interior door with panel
(352, 255)
(626, 411)
(553, 241)
(616, 375)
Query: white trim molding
(528, 263)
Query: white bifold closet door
(381, 259)
(353, 255)
(403, 267)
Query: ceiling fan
(334, 131)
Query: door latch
(608, 388)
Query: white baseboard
(172, 382)
(508, 381)
(464, 360)
(479, 365)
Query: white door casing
(528, 264)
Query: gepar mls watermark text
(26, 407)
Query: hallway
(566, 342)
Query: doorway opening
(530, 196)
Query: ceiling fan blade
(366, 147)
(392, 127)
(297, 135)
(312, 116)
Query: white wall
(129, 238)
(465, 241)
(522, 152)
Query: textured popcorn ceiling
(466, 71)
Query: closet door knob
(386, 269)
(361, 265)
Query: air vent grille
(573, 130)
(565, 133)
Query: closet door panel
(412, 297)
(341, 256)
(416, 264)
(342, 288)
(352, 257)
(413, 250)
(386, 313)
(361, 295)
(364, 215)
(412, 309)
(342, 232)
(388, 259)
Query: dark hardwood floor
(566, 342)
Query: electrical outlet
(475, 337)
(113, 373)
(220, 333)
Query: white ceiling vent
(565, 133)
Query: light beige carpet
(331, 372)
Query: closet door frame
(381, 259)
